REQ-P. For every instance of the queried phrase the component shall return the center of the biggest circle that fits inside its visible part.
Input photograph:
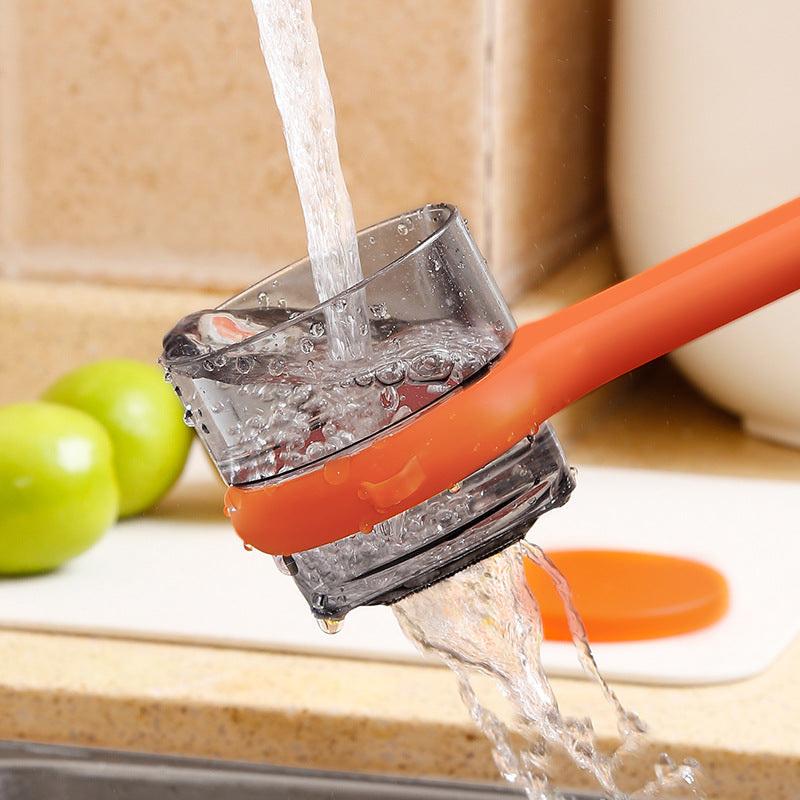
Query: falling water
(290, 46)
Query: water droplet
(379, 310)
(263, 300)
(306, 345)
(317, 329)
(247, 546)
(229, 510)
(372, 240)
(455, 488)
(339, 305)
(336, 471)
(220, 361)
(330, 626)
(282, 302)
(187, 418)
(208, 365)
(276, 366)
(499, 325)
(363, 379)
(366, 527)
(244, 364)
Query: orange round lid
(627, 596)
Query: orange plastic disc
(627, 596)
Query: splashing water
(485, 621)
(290, 46)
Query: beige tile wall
(139, 142)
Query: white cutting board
(169, 577)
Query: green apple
(143, 418)
(58, 491)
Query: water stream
(290, 46)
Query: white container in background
(704, 133)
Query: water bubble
(499, 325)
(330, 429)
(276, 366)
(330, 626)
(363, 379)
(317, 329)
(306, 345)
(208, 365)
(433, 366)
(220, 360)
(379, 311)
(315, 450)
(392, 373)
(339, 305)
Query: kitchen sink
(36, 771)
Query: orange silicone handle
(549, 364)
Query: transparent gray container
(276, 382)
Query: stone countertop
(376, 717)
(401, 719)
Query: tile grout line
(487, 165)
(133, 268)
(11, 193)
